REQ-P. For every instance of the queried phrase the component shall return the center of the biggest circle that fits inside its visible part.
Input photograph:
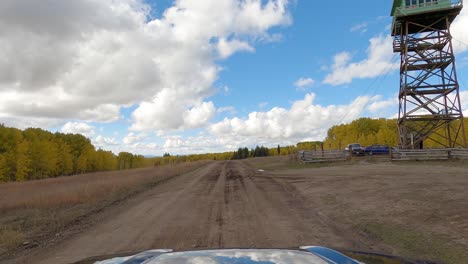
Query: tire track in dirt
(222, 205)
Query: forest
(37, 154)
(368, 131)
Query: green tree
(22, 161)
(3, 171)
(65, 159)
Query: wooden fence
(430, 154)
(322, 156)
(308, 156)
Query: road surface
(222, 205)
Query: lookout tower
(430, 107)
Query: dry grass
(80, 189)
(10, 238)
(29, 210)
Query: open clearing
(410, 209)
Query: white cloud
(131, 138)
(140, 148)
(304, 120)
(362, 28)
(170, 110)
(144, 148)
(382, 104)
(227, 48)
(197, 145)
(23, 123)
(104, 142)
(84, 60)
(378, 62)
(71, 60)
(458, 30)
(199, 115)
(78, 128)
(302, 83)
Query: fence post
(449, 154)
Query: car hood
(309, 255)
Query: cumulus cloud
(78, 128)
(132, 138)
(23, 123)
(166, 112)
(302, 83)
(199, 115)
(84, 60)
(198, 144)
(104, 142)
(227, 48)
(71, 60)
(378, 62)
(304, 120)
(382, 104)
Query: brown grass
(80, 189)
(30, 210)
(10, 238)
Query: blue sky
(194, 76)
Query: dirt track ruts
(222, 205)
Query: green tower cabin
(430, 107)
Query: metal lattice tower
(430, 107)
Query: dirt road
(225, 204)
(409, 209)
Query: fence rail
(430, 154)
(310, 156)
(322, 156)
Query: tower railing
(421, 8)
(427, 6)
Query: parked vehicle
(378, 149)
(357, 149)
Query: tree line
(37, 154)
(244, 153)
(368, 131)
